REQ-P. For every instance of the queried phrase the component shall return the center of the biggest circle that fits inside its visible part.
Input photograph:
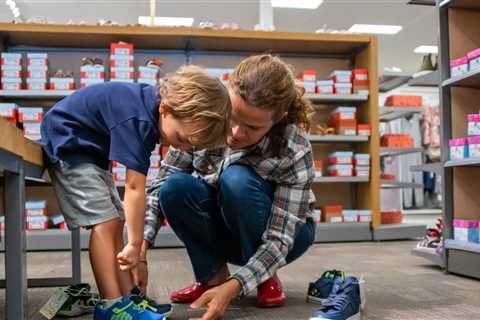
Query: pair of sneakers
(135, 307)
(341, 297)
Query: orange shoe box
(391, 217)
(403, 101)
(332, 214)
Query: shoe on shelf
(125, 309)
(344, 303)
(270, 293)
(80, 301)
(189, 294)
(319, 290)
(146, 303)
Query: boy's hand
(128, 258)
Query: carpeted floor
(399, 285)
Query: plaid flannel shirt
(293, 200)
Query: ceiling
(419, 22)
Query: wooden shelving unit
(459, 23)
(222, 48)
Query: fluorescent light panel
(375, 29)
(426, 49)
(166, 21)
(296, 4)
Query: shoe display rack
(459, 24)
(66, 45)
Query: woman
(250, 203)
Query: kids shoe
(344, 303)
(319, 290)
(125, 309)
(146, 303)
(270, 293)
(80, 301)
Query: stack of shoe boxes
(62, 81)
(11, 71)
(119, 171)
(121, 62)
(91, 72)
(148, 75)
(342, 81)
(31, 119)
(37, 71)
(309, 80)
(36, 215)
(362, 165)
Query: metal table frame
(15, 172)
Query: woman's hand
(217, 300)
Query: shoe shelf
(327, 179)
(387, 232)
(35, 94)
(343, 232)
(337, 138)
(387, 184)
(427, 167)
(392, 152)
(459, 22)
(337, 98)
(394, 113)
(430, 254)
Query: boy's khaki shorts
(86, 194)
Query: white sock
(108, 303)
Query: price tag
(54, 304)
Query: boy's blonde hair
(201, 100)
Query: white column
(266, 15)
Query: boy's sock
(108, 303)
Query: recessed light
(297, 4)
(166, 21)
(375, 29)
(393, 69)
(426, 49)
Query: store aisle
(399, 286)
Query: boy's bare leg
(125, 278)
(103, 258)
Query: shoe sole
(356, 316)
(315, 299)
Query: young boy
(122, 122)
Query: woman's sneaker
(344, 302)
(80, 301)
(146, 303)
(124, 309)
(319, 290)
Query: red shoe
(189, 294)
(270, 293)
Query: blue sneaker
(148, 304)
(319, 290)
(344, 302)
(125, 309)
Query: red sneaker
(189, 294)
(270, 293)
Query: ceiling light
(426, 49)
(375, 29)
(296, 4)
(393, 69)
(166, 21)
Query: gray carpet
(399, 286)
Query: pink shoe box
(37, 72)
(151, 82)
(364, 215)
(466, 230)
(119, 61)
(12, 84)
(458, 149)
(121, 48)
(361, 171)
(11, 59)
(341, 76)
(122, 80)
(325, 86)
(37, 60)
(308, 76)
(310, 87)
(317, 215)
(156, 150)
(37, 223)
(458, 66)
(30, 114)
(473, 124)
(36, 84)
(87, 82)
(152, 173)
(344, 113)
(36, 208)
(473, 147)
(360, 75)
(116, 164)
(340, 170)
(9, 111)
(31, 128)
(340, 157)
(148, 72)
(342, 88)
(11, 71)
(474, 59)
(350, 215)
(57, 220)
(62, 84)
(119, 174)
(122, 73)
(361, 159)
(92, 72)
